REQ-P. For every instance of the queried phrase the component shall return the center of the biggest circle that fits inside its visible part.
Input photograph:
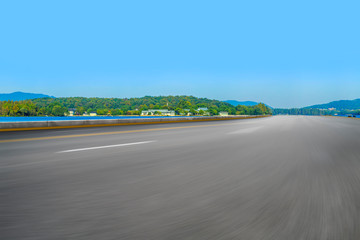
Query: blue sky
(283, 53)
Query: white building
(92, 114)
(71, 112)
(162, 112)
(205, 109)
(223, 113)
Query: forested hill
(124, 106)
(339, 105)
(147, 102)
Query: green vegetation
(125, 106)
(30, 108)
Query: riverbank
(56, 124)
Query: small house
(71, 111)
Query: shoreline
(43, 125)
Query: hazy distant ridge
(18, 96)
(244, 103)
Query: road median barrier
(41, 125)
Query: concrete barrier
(37, 125)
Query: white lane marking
(108, 146)
(58, 160)
(246, 130)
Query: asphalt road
(270, 178)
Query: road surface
(283, 177)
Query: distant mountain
(244, 103)
(339, 105)
(17, 96)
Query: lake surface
(41, 119)
(356, 116)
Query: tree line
(124, 106)
(30, 108)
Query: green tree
(157, 113)
(115, 112)
(58, 110)
(80, 110)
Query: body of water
(40, 119)
(356, 116)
